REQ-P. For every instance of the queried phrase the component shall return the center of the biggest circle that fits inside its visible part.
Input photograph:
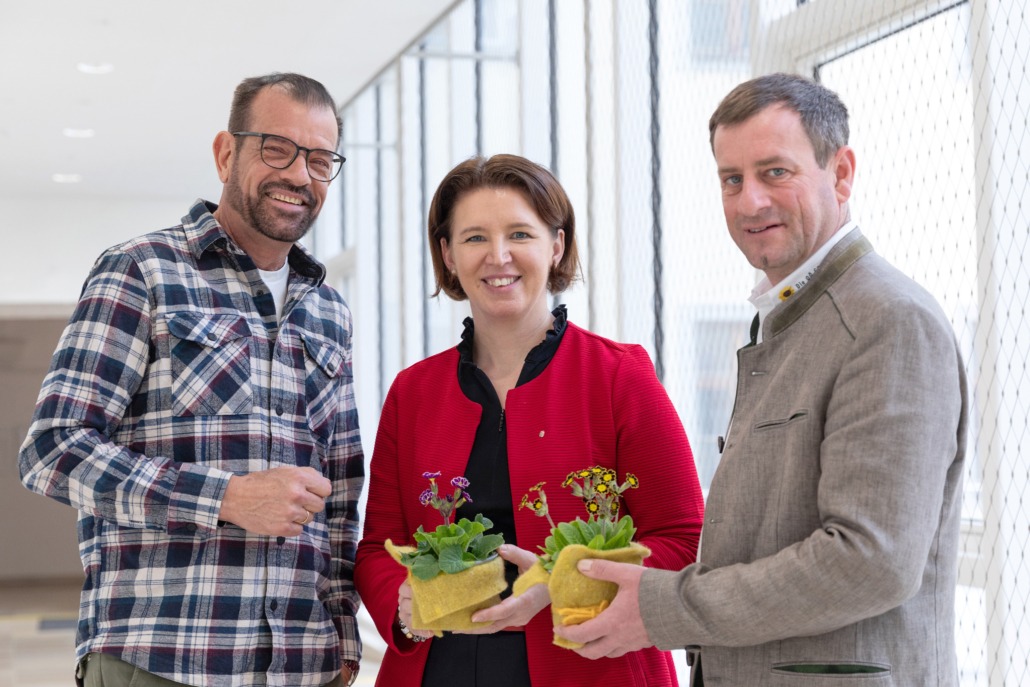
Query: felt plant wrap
(454, 570)
(576, 598)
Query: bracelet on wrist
(406, 631)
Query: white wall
(52, 273)
(39, 285)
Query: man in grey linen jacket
(829, 547)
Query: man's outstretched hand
(619, 629)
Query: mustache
(299, 191)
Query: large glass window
(615, 95)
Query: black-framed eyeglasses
(279, 152)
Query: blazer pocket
(796, 416)
(851, 670)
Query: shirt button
(280, 540)
(274, 605)
(278, 410)
(211, 336)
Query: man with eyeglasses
(199, 413)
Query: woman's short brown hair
(539, 187)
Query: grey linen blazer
(831, 527)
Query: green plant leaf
(618, 541)
(451, 548)
(470, 528)
(427, 541)
(425, 567)
(451, 530)
(459, 541)
(486, 545)
(452, 560)
(571, 532)
(584, 531)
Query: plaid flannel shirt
(172, 375)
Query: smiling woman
(517, 403)
(502, 255)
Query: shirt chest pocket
(210, 361)
(327, 368)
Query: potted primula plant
(454, 570)
(576, 598)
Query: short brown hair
(300, 88)
(539, 187)
(823, 115)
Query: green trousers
(102, 670)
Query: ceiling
(174, 67)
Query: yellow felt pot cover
(576, 598)
(448, 601)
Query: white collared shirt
(766, 296)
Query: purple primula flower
(445, 504)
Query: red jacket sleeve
(376, 575)
(668, 507)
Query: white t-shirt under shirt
(766, 296)
(277, 281)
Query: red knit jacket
(597, 403)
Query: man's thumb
(593, 568)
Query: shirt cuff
(196, 499)
(350, 643)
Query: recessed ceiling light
(78, 133)
(95, 67)
(67, 178)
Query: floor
(37, 636)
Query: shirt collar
(541, 351)
(203, 233)
(766, 296)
